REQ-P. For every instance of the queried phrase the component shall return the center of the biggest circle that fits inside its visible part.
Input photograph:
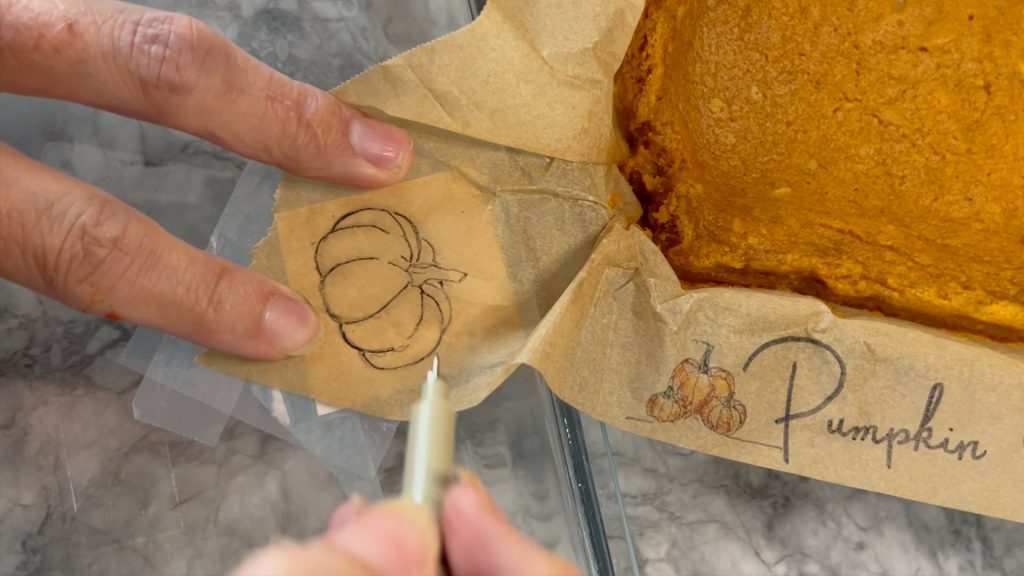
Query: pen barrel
(429, 456)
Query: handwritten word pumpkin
(724, 415)
(664, 406)
(697, 383)
(380, 281)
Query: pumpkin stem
(705, 360)
(421, 273)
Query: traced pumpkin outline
(417, 260)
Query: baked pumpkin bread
(868, 152)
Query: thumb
(396, 537)
(478, 539)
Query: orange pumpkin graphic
(697, 382)
(664, 406)
(725, 415)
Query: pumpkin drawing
(664, 406)
(697, 383)
(380, 281)
(724, 415)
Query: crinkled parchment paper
(516, 192)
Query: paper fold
(536, 76)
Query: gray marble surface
(85, 489)
(687, 513)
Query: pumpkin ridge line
(336, 266)
(419, 321)
(356, 226)
(441, 309)
(359, 348)
(414, 252)
(425, 356)
(388, 303)
(420, 240)
(348, 215)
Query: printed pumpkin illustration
(664, 406)
(725, 415)
(380, 281)
(696, 388)
(697, 383)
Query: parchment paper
(515, 186)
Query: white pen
(430, 447)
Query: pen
(430, 447)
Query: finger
(396, 537)
(347, 512)
(392, 538)
(287, 558)
(85, 248)
(478, 539)
(172, 69)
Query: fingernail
(290, 325)
(385, 146)
(396, 537)
(347, 512)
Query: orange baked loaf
(868, 152)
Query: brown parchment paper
(515, 185)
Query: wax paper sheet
(196, 402)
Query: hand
(74, 243)
(401, 538)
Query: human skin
(398, 537)
(81, 246)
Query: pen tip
(433, 385)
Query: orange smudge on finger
(111, 315)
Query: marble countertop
(85, 489)
(690, 513)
